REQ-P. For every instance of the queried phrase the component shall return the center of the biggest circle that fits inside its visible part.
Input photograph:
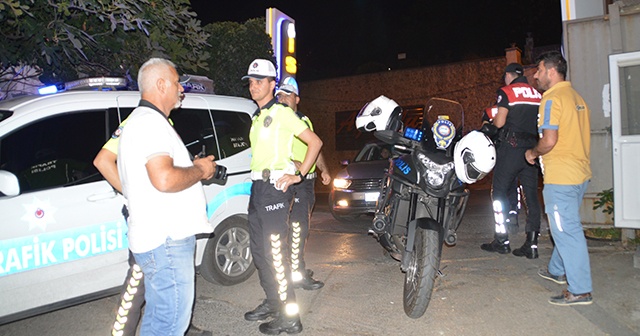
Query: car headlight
(339, 183)
(435, 172)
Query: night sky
(341, 38)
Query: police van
(63, 238)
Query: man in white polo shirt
(167, 205)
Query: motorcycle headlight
(435, 173)
(339, 183)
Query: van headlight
(339, 183)
(435, 172)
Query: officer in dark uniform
(517, 119)
(305, 197)
(513, 193)
(272, 132)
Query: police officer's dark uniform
(304, 200)
(273, 128)
(513, 193)
(518, 134)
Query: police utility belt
(273, 175)
(517, 139)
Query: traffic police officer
(517, 117)
(288, 94)
(272, 132)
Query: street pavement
(480, 293)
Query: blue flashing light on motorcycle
(413, 134)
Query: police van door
(624, 72)
(58, 241)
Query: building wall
(589, 42)
(473, 84)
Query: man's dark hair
(554, 59)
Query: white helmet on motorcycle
(474, 157)
(379, 114)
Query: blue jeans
(570, 255)
(169, 279)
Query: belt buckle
(266, 173)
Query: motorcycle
(422, 199)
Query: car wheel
(227, 257)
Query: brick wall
(473, 84)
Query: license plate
(371, 196)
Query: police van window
(55, 152)
(116, 115)
(195, 128)
(232, 129)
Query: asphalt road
(479, 293)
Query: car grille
(366, 184)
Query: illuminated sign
(282, 30)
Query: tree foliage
(69, 39)
(233, 47)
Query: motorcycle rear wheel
(420, 277)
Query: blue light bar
(48, 89)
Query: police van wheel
(227, 257)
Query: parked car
(62, 235)
(356, 187)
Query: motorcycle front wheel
(422, 272)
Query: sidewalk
(616, 283)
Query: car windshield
(374, 152)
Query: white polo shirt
(155, 215)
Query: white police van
(62, 235)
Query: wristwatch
(298, 173)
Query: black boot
(265, 310)
(530, 247)
(288, 324)
(308, 283)
(499, 244)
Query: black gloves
(489, 130)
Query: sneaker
(263, 311)
(559, 279)
(569, 299)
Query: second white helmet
(379, 114)
(474, 157)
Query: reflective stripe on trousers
(131, 301)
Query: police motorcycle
(423, 195)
